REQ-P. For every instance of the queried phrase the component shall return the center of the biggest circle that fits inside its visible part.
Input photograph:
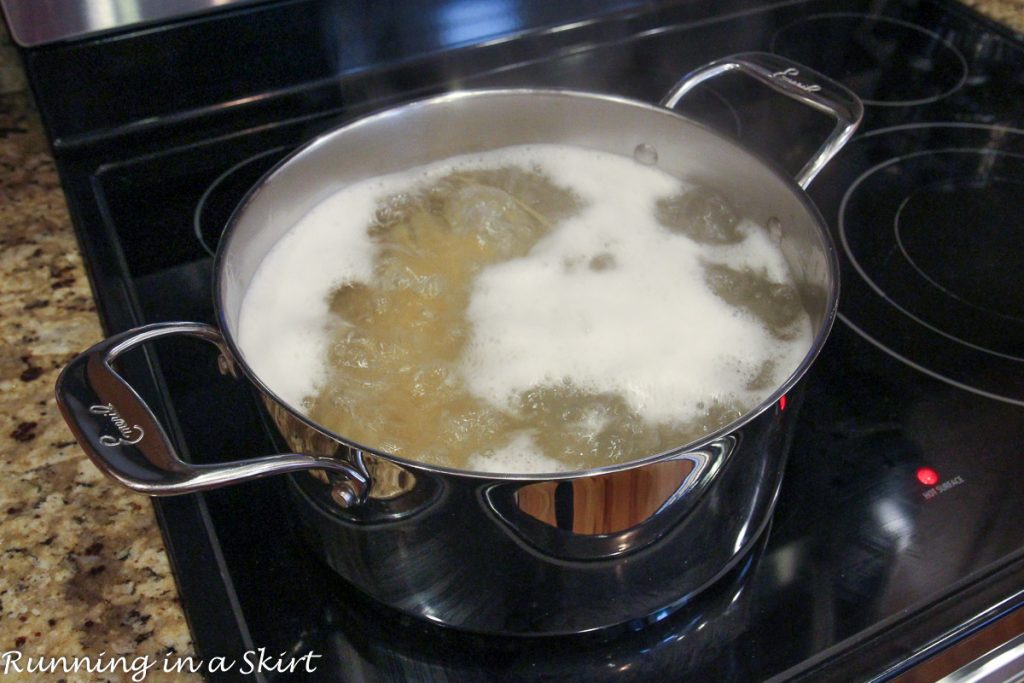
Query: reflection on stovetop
(857, 538)
(895, 529)
(363, 640)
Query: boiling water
(532, 309)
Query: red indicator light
(782, 402)
(927, 476)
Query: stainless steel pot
(516, 554)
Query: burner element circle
(886, 62)
(224, 194)
(870, 229)
(956, 234)
(927, 218)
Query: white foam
(647, 328)
(756, 251)
(284, 326)
(520, 455)
(644, 325)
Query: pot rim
(447, 98)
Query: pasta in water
(532, 309)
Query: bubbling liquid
(533, 309)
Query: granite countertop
(84, 568)
(1009, 12)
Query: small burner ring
(219, 200)
(872, 281)
(943, 197)
(931, 247)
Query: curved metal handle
(795, 81)
(122, 437)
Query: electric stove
(896, 531)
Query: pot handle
(795, 81)
(122, 437)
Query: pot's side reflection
(457, 550)
(607, 515)
(607, 504)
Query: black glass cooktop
(896, 532)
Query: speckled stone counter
(83, 567)
(1009, 12)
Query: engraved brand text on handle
(130, 434)
(787, 75)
